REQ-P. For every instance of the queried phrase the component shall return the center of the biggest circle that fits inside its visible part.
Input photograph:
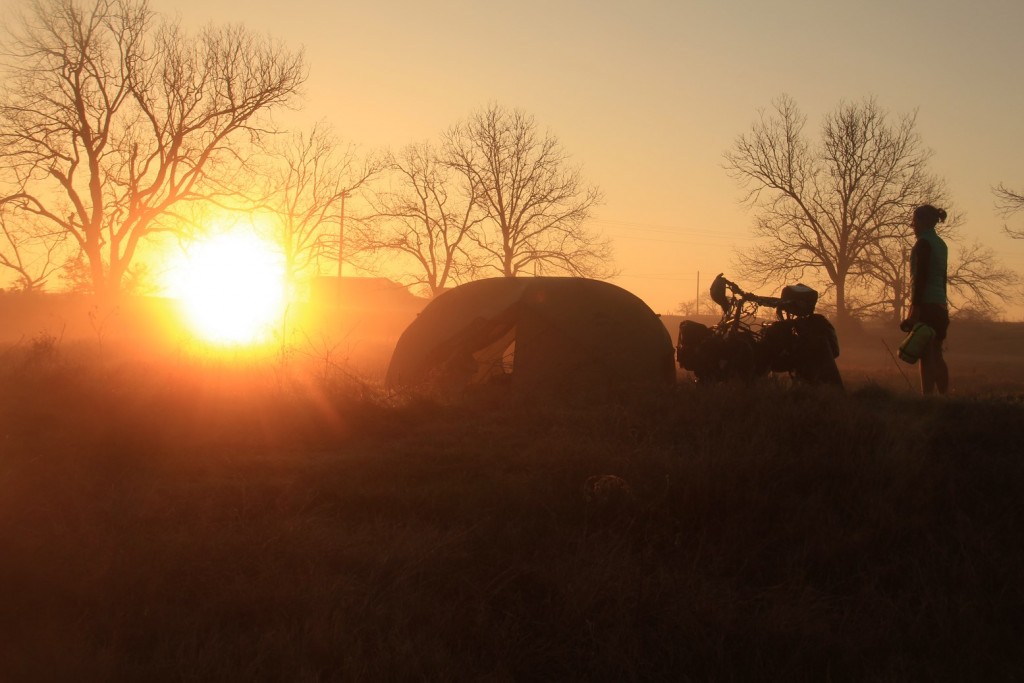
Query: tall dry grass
(165, 520)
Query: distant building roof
(362, 292)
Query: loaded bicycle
(798, 342)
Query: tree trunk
(94, 254)
(842, 312)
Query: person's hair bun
(942, 215)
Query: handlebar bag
(798, 299)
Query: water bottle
(915, 343)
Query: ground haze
(174, 517)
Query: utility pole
(698, 294)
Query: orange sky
(648, 95)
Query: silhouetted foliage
(980, 281)
(29, 249)
(833, 207)
(428, 213)
(310, 177)
(840, 209)
(1009, 203)
(112, 120)
(536, 204)
(975, 277)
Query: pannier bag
(691, 334)
(778, 340)
(915, 343)
(817, 325)
(798, 300)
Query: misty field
(189, 520)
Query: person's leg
(928, 368)
(940, 369)
(934, 372)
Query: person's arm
(923, 255)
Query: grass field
(182, 520)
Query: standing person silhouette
(928, 295)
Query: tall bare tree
(28, 250)
(535, 202)
(824, 207)
(1009, 203)
(426, 214)
(310, 177)
(974, 275)
(980, 280)
(112, 119)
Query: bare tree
(111, 120)
(310, 178)
(28, 250)
(890, 272)
(974, 275)
(702, 305)
(427, 215)
(1009, 203)
(823, 208)
(980, 281)
(535, 202)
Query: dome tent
(535, 334)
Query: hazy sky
(648, 95)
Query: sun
(231, 288)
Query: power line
(663, 234)
(679, 242)
(656, 277)
(628, 231)
(654, 227)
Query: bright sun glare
(231, 287)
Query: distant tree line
(115, 124)
(117, 127)
(836, 208)
(497, 196)
(1009, 203)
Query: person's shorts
(935, 316)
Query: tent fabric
(535, 334)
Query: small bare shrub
(43, 348)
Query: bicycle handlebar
(721, 284)
(772, 301)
